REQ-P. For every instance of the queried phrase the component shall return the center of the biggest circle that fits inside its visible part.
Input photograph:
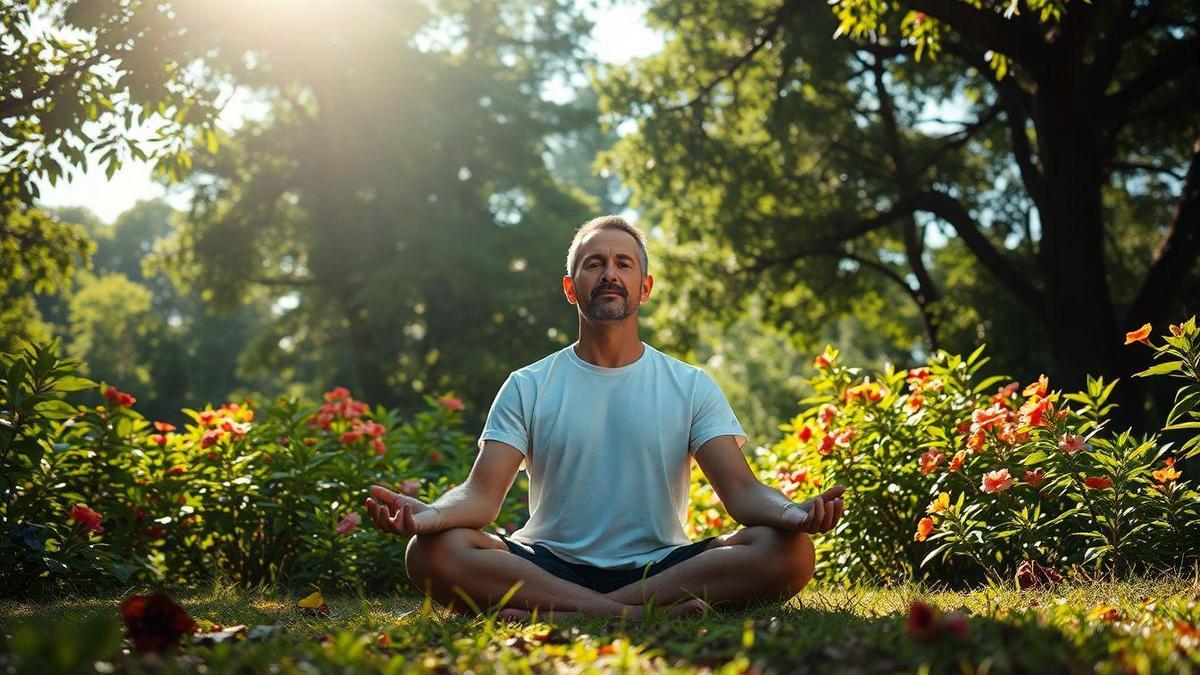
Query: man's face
(608, 284)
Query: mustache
(600, 290)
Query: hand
(400, 514)
(819, 514)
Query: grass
(1133, 626)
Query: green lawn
(1143, 626)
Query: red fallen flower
(1032, 574)
(154, 622)
(1097, 482)
(118, 399)
(87, 518)
(163, 427)
(922, 620)
(451, 403)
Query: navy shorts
(597, 578)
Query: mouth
(608, 293)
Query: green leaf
(1160, 369)
(73, 383)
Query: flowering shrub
(955, 477)
(252, 492)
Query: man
(607, 428)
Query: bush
(954, 477)
(254, 493)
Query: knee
(432, 558)
(796, 559)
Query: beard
(610, 309)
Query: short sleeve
(507, 421)
(712, 416)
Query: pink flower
(825, 415)
(210, 438)
(410, 487)
(1035, 478)
(1070, 443)
(451, 403)
(337, 394)
(348, 522)
(996, 481)
(378, 446)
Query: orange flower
(957, 461)
(378, 446)
(1003, 393)
(826, 446)
(982, 420)
(924, 529)
(914, 402)
(159, 439)
(1168, 474)
(917, 376)
(996, 481)
(1140, 335)
(930, 460)
(939, 505)
(1032, 411)
(337, 394)
(351, 436)
(176, 471)
(210, 438)
(1035, 478)
(1037, 388)
(1097, 482)
(450, 403)
(1176, 329)
(207, 417)
(163, 427)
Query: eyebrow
(601, 255)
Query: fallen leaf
(314, 604)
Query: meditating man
(607, 428)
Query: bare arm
(749, 502)
(473, 504)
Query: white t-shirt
(608, 452)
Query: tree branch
(990, 29)
(1174, 60)
(1175, 255)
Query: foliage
(1132, 627)
(1020, 173)
(987, 474)
(100, 494)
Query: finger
(396, 521)
(372, 510)
(841, 509)
(827, 521)
(410, 521)
(833, 493)
(816, 516)
(385, 496)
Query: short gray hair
(607, 223)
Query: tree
(801, 159)
(398, 195)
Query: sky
(620, 34)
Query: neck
(609, 345)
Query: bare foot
(694, 607)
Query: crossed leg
(755, 564)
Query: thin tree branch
(990, 29)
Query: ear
(647, 284)
(569, 289)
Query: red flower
(996, 481)
(915, 401)
(154, 531)
(957, 461)
(348, 522)
(118, 399)
(374, 429)
(176, 471)
(924, 529)
(826, 415)
(451, 403)
(378, 446)
(1070, 443)
(159, 439)
(1035, 478)
(826, 446)
(804, 434)
(1097, 482)
(930, 460)
(1032, 411)
(88, 519)
(435, 456)
(337, 394)
(917, 376)
(351, 436)
(207, 417)
(163, 427)
(1140, 335)
(155, 622)
(210, 438)
(982, 420)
